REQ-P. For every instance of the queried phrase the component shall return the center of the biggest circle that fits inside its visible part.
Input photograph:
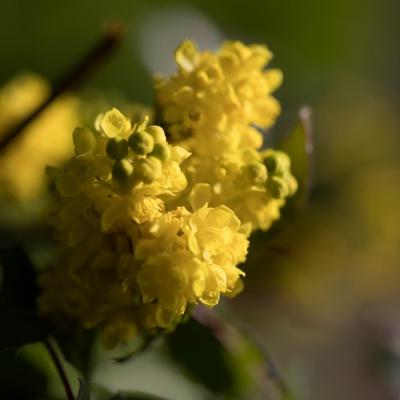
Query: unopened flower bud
(148, 170)
(84, 140)
(277, 163)
(157, 133)
(117, 148)
(122, 169)
(161, 151)
(141, 143)
(255, 173)
(278, 187)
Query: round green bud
(84, 140)
(277, 163)
(148, 170)
(271, 163)
(117, 148)
(141, 143)
(122, 169)
(278, 187)
(161, 151)
(255, 173)
(157, 133)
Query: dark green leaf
(20, 377)
(136, 396)
(84, 391)
(18, 279)
(80, 349)
(20, 324)
(204, 358)
(299, 146)
(125, 352)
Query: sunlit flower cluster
(152, 221)
(125, 250)
(213, 107)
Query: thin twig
(60, 369)
(305, 117)
(109, 41)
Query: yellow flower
(108, 198)
(107, 184)
(130, 260)
(190, 258)
(211, 107)
(244, 181)
(47, 140)
(147, 229)
(214, 92)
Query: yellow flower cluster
(216, 96)
(212, 107)
(45, 141)
(132, 260)
(147, 229)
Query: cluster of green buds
(255, 173)
(280, 182)
(139, 158)
(269, 170)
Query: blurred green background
(325, 304)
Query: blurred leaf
(125, 352)
(136, 396)
(84, 391)
(195, 348)
(84, 351)
(18, 283)
(15, 364)
(80, 349)
(19, 327)
(299, 146)
(20, 324)
(269, 245)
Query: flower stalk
(60, 369)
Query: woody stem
(110, 39)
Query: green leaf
(202, 356)
(16, 365)
(300, 147)
(136, 396)
(79, 348)
(18, 279)
(84, 391)
(124, 352)
(20, 324)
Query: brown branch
(60, 369)
(94, 57)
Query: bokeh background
(323, 295)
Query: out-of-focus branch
(110, 39)
(305, 117)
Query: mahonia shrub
(153, 219)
